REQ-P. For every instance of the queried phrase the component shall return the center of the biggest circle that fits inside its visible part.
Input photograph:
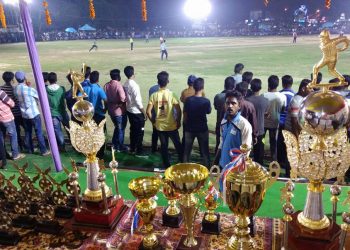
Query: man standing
(235, 129)
(94, 46)
(27, 98)
(238, 72)
(154, 147)
(295, 36)
(260, 104)
(163, 50)
(196, 109)
(116, 105)
(55, 94)
(164, 102)
(131, 43)
(135, 111)
(8, 88)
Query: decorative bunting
(266, 2)
(144, 10)
(47, 13)
(328, 4)
(2, 16)
(92, 9)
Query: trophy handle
(214, 176)
(274, 171)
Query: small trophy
(45, 184)
(335, 191)
(211, 220)
(60, 198)
(288, 209)
(46, 222)
(10, 193)
(114, 166)
(345, 227)
(172, 216)
(23, 218)
(8, 237)
(72, 185)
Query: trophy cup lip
(140, 190)
(195, 179)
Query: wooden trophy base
(300, 237)
(9, 238)
(209, 227)
(48, 227)
(92, 216)
(181, 245)
(173, 221)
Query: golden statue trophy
(172, 216)
(243, 186)
(211, 220)
(144, 189)
(320, 152)
(88, 138)
(186, 179)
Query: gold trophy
(186, 179)
(320, 152)
(244, 190)
(172, 216)
(144, 189)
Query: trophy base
(64, 212)
(9, 238)
(173, 221)
(48, 227)
(96, 219)
(158, 247)
(24, 221)
(300, 237)
(209, 227)
(181, 245)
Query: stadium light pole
(44, 103)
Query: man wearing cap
(27, 98)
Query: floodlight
(15, 2)
(197, 9)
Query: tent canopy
(87, 27)
(70, 30)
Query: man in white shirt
(135, 111)
(277, 102)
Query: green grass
(211, 58)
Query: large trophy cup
(186, 179)
(88, 138)
(320, 152)
(144, 189)
(244, 190)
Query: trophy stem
(114, 172)
(313, 216)
(147, 211)
(189, 208)
(93, 191)
(172, 209)
(211, 216)
(241, 239)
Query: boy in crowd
(238, 72)
(164, 103)
(196, 109)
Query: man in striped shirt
(7, 124)
(8, 78)
(27, 98)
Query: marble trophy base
(209, 227)
(92, 216)
(48, 227)
(9, 238)
(181, 245)
(173, 221)
(302, 238)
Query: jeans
(19, 122)
(35, 123)
(2, 151)
(58, 130)
(98, 119)
(203, 141)
(164, 142)
(10, 128)
(120, 122)
(258, 150)
(137, 131)
(273, 142)
(282, 152)
(164, 52)
(154, 139)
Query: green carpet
(271, 207)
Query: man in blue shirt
(97, 97)
(235, 129)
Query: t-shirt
(96, 95)
(197, 109)
(219, 103)
(276, 102)
(293, 110)
(289, 93)
(260, 104)
(163, 102)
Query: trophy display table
(269, 235)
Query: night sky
(127, 13)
